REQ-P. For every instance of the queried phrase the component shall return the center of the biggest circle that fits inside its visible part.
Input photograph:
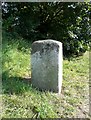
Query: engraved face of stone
(46, 62)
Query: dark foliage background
(66, 22)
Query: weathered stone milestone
(46, 65)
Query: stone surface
(46, 65)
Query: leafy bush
(68, 23)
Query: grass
(21, 100)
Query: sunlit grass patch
(16, 58)
(21, 100)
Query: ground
(21, 100)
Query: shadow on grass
(72, 57)
(15, 85)
(18, 85)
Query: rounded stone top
(49, 41)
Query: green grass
(21, 100)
